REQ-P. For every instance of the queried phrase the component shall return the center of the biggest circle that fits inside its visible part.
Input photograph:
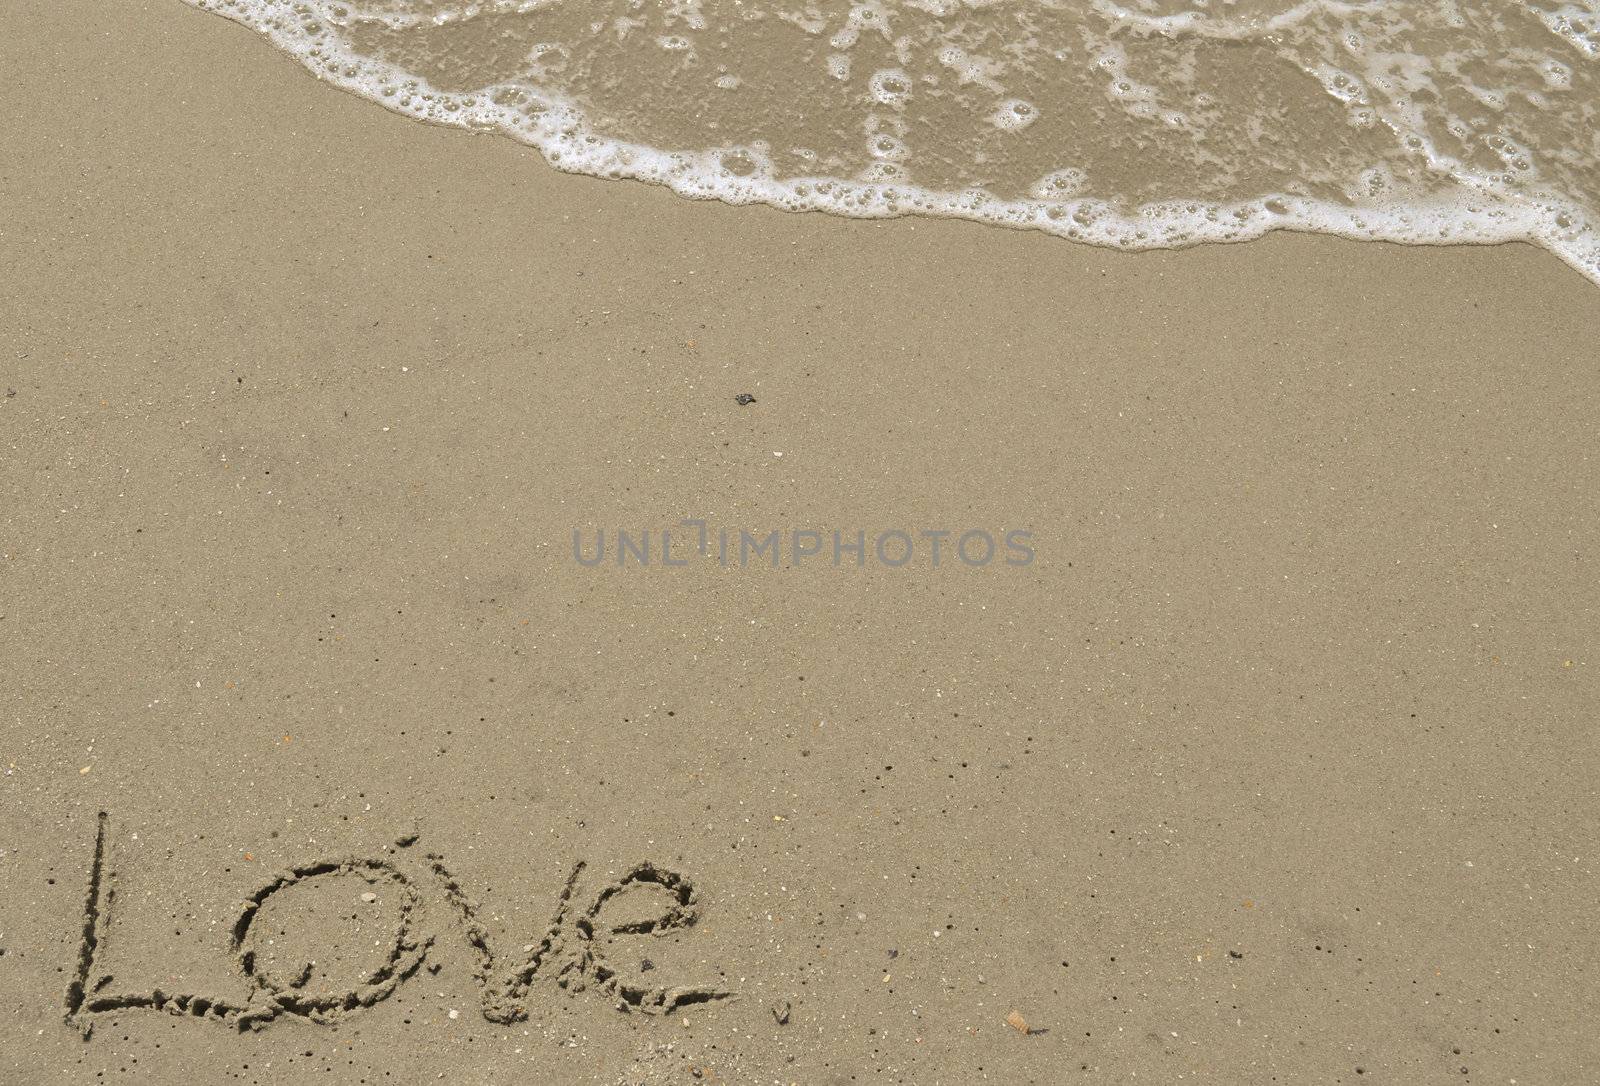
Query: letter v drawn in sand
(423, 898)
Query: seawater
(1146, 124)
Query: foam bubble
(1014, 114)
(891, 86)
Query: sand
(1273, 765)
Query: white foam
(1481, 206)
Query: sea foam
(1154, 124)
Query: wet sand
(1274, 765)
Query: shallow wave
(1155, 124)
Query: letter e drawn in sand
(420, 902)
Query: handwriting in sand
(571, 949)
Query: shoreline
(1177, 221)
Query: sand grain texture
(1276, 764)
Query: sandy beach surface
(326, 760)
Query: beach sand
(1275, 764)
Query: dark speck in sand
(1235, 954)
(744, 399)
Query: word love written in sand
(572, 949)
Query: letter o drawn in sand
(287, 985)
